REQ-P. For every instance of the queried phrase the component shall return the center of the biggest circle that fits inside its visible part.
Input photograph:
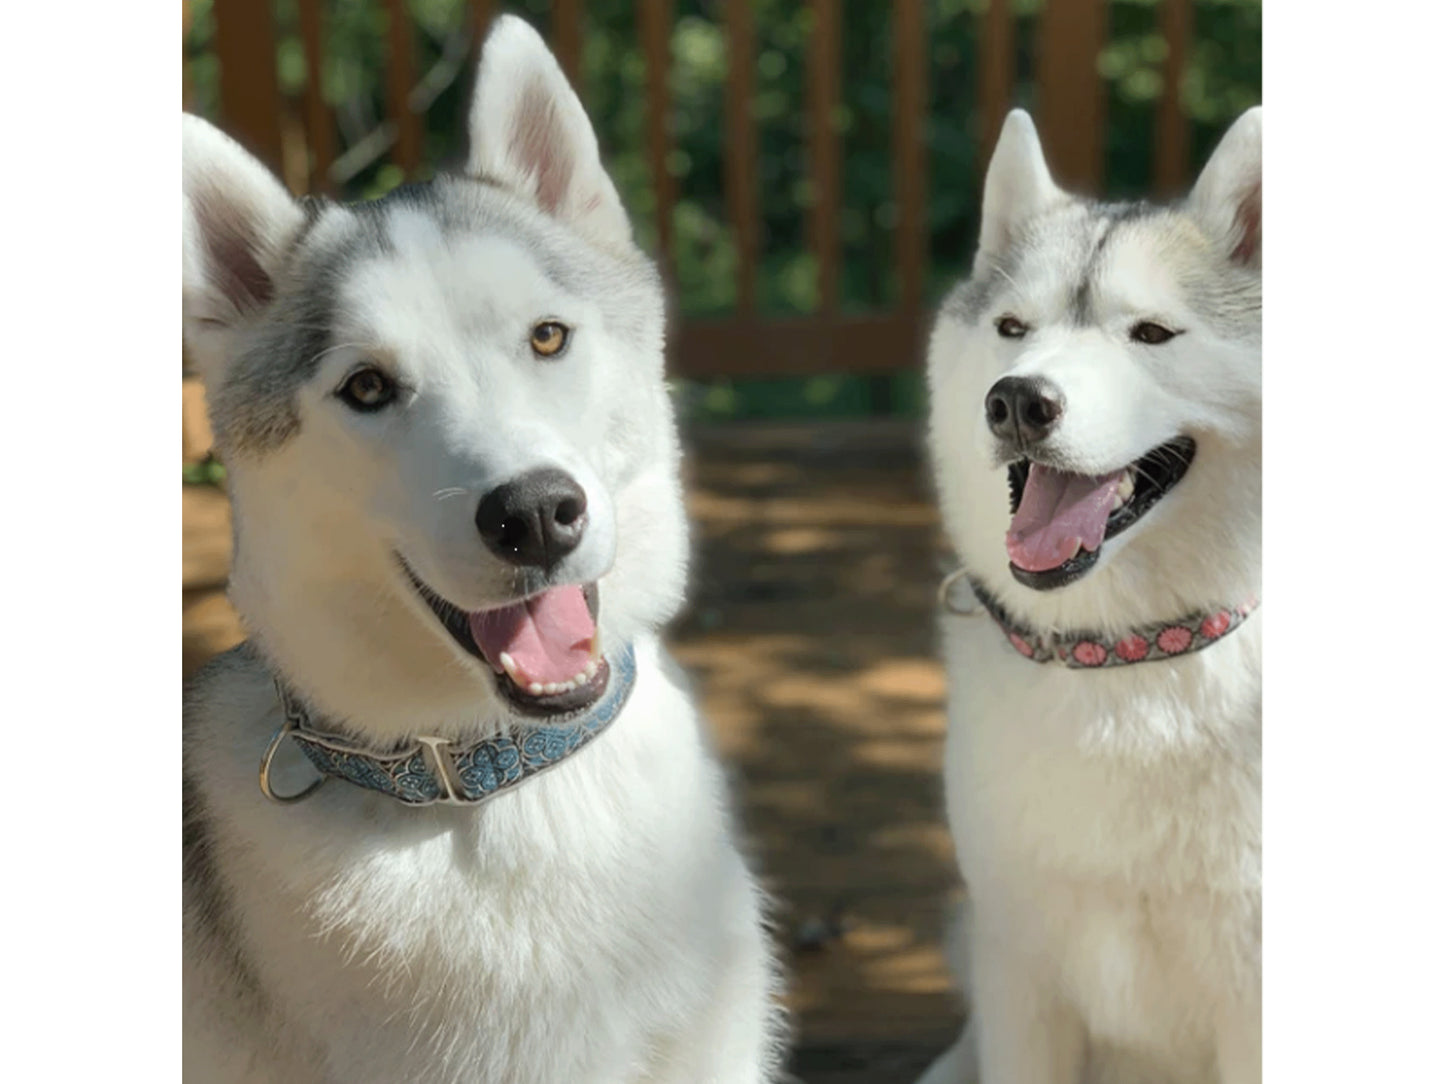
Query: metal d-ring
(943, 599)
(284, 799)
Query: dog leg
(1238, 1043)
(1026, 1034)
(740, 1038)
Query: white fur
(597, 924)
(537, 140)
(1107, 823)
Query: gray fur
(1076, 239)
(207, 898)
(254, 410)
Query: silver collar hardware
(295, 715)
(436, 771)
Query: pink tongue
(549, 637)
(1058, 514)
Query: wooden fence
(1070, 114)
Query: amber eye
(1011, 327)
(1151, 334)
(549, 338)
(367, 390)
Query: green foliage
(1221, 80)
(208, 472)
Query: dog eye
(367, 390)
(1011, 327)
(1150, 333)
(549, 338)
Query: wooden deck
(810, 636)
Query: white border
(91, 354)
(1354, 544)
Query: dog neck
(431, 770)
(1092, 650)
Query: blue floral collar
(433, 771)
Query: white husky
(1095, 431)
(459, 525)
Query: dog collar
(434, 771)
(1091, 651)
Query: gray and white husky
(459, 526)
(1095, 434)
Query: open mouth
(542, 650)
(1061, 520)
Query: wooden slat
(655, 22)
(1171, 133)
(320, 125)
(805, 346)
(1071, 96)
(910, 149)
(740, 180)
(250, 97)
(567, 39)
(187, 91)
(825, 47)
(996, 75)
(483, 12)
(400, 78)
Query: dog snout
(1023, 410)
(534, 520)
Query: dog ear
(529, 133)
(1228, 198)
(1017, 187)
(236, 220)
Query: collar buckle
(438, 754)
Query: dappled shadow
(810, 634)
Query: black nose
(534, 520)
(1023, 410)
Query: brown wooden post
(1071, 96)
(483, 12)
(655, 21)
(250, 96)
(400, 78)
(996, 75)
(1171, 132)
(567, 40)
(740, 181)
(910, 150)
(320, 127)
(825, 46)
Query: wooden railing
(1070, 113)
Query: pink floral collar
(1089, 651)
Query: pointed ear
(1017, 187)
(529, 133)
(236, 219)
(1228, 198)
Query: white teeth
(550, 688)
(1126, 486)
(1076, 545)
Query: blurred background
(808, 176)
(783, 159)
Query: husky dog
(1095, 435)
(459, 526)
